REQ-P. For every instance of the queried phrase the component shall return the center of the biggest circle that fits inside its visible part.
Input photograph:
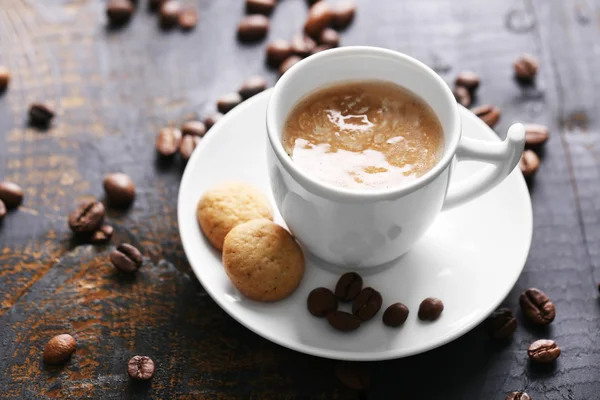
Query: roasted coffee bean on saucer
(367, 304)
(395, 315)
(343, 321)
(348, 286)
(321, 301)
(430, 309)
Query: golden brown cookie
(227, 205)
(263, 260)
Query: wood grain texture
(115, 88)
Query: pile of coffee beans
(366, 303)
(171, 13)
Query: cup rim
(331, 191)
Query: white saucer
(470, 258)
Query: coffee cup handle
(503, 157)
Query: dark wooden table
(115, 89)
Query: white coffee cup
(366, 228)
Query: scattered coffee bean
(169, 13)
(348, 286)
(488, 114)
(430, 309)
(288, 63)
(529, 163)
(395, 315)
(140, 367)
(193, 128)
(329, 37)
(253, 28)
(543, 351)
(277, 51)
(321, 301)
(343, 321)
(343, 14)
(120, 190)
(227, 102)
(11, 194)
(188, 145)
(468, 79)
(59, 349)
(537, 307)
(518, 396)
(87, 217)
(319, 17)
(302, 45)
(535, 135)
(40, 114)
(354, 375)
(2, 210)
(102, 235)
(188, 18)
(126, 258)
(462, 96)
(367, 304)
(320, 48)
(526, 67)
(264, 7)
(211, 120)
(168, 141)
(501, 324)
(119, 12)
(4, 78)
(252, 86)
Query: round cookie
(227, 205)
(262, 260)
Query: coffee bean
(302, 45)
(87, 217)
(354, 375)
(319, 17)
(126, 258)
(102, 235)
(537, 307)
(343, 14)
(488, 114)
(59, 348)
(543, 351)
(518, 396)
(526, 67)
(288, 63)
(329, 37)
(11, 194)
(227, 102)
(343, 321)
(252, 86)
(211, 120)
(140, 367)
(320, 48)
(535, 135)
(367, 304)
(395, 315)
(264, 7)
(188, 18)
(529, 163)
(277, 51)
(40, 114)
(253, 28)
(321, 301)
(348, 286)
(2, 210)
(120, 190)
(169, 13)
(430, 309)
(501, 324)
(188, 145)
(462, 96)
(4, 78)
(119, 12)
(168, 141)
(193, 128)
(468, 79)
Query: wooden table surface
(115, 89)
